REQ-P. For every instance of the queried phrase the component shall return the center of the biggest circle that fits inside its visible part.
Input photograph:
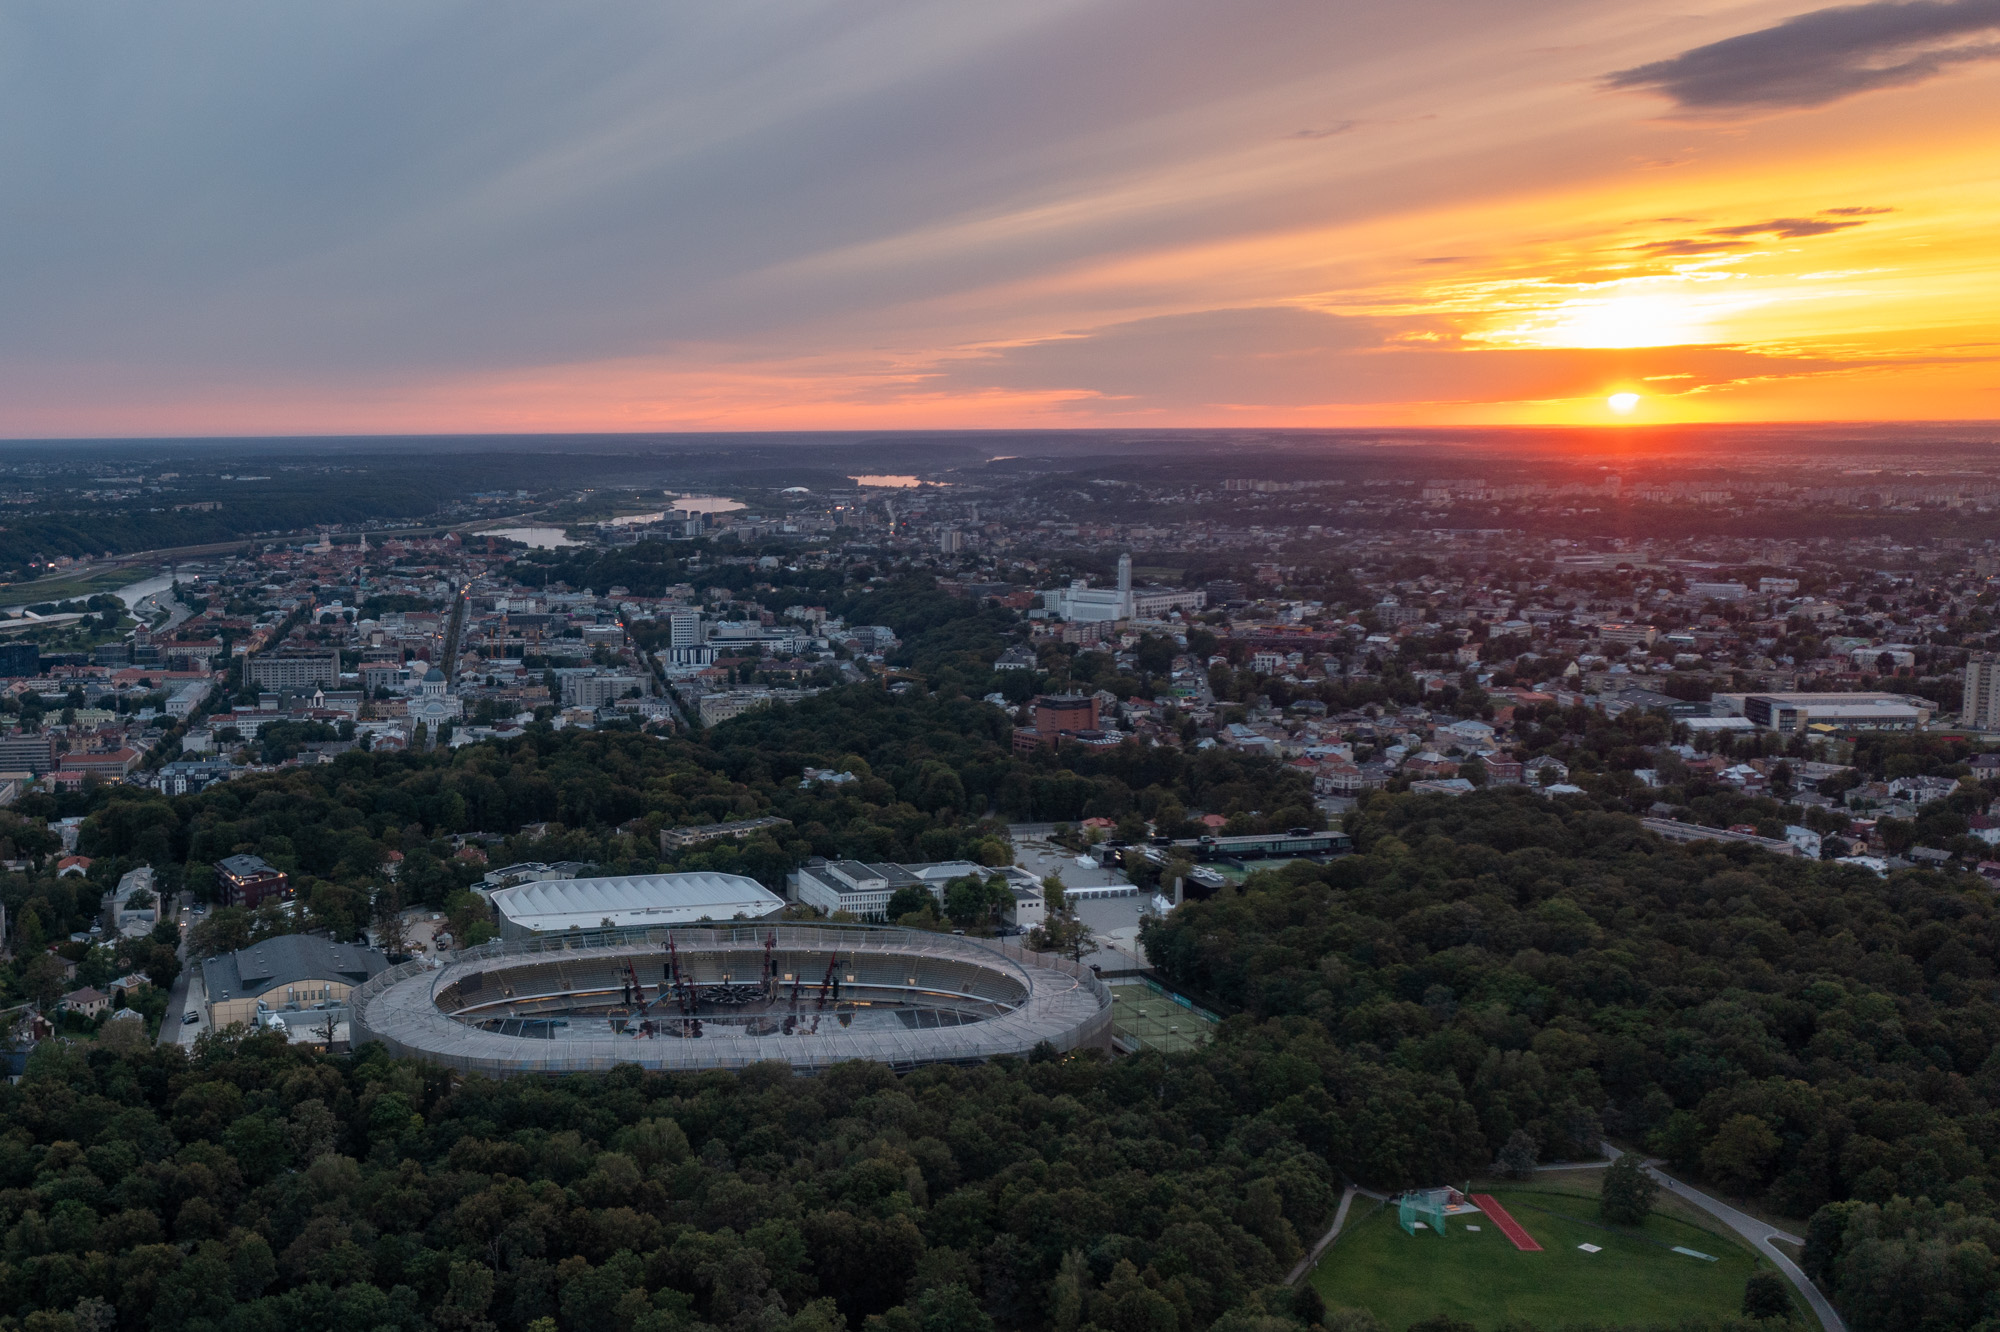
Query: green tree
(1766, 1294)
(1739, 1156)
(909, 900)
(1627, 1192)
(1517, 1156)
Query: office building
(863, 890)
(684, 627)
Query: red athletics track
(1509, 1227)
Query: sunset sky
(414, 215)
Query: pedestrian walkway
(1306, 1263)
(1509, 1227)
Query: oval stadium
(728, 996)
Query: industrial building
(549, 906)
(1787, 713)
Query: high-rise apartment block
(1981, 704)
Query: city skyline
(431, 218)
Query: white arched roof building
(627, 900)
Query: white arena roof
(632, 899)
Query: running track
(1509, 1227)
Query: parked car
(189, 1019)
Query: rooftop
(287, 960)
(634, 899)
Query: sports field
(1478, 1276)
(1156, 1022)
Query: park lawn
(1483, 1279)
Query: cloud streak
(1278, 357)
(1821, 57)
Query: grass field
(1481, 1278)
(69, 587)
(1155, 1021)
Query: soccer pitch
(1481, 1278)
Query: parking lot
(1113, 921)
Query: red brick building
(250, 881)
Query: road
(148, 606)
(188, 994)
(1760, 1234)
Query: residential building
(86, 1002)
(591, 687)
(293, 670)
(1981, 704)
(1628, 635)
(680, 839)
(250, 881)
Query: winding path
(1760, 1234)
(1339, 1219)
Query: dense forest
(255, 1188)
(1803, 1034)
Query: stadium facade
(728, 996)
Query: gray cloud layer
(1820, 57)
(1284, 356)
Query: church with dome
(434, 702)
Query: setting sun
(1622, 403)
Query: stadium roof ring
(728, 996)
